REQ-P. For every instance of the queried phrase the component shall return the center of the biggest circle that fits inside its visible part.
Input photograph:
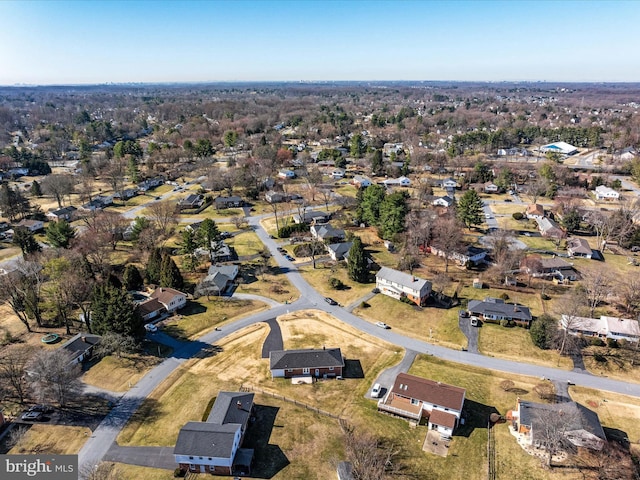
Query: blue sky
(71, 42)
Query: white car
(376, 391)
(150, 327)
(382, 325)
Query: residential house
(490, 187)
(399, 285)
(314, 216)
(191, 201)
(582, 428)
(534, 211)
(171, 299)
(553, 267)
(418, 398)
(400, 181)
(324, 362)
(221, 252)
(80, 347)
(603, 327)
(338, 251)
(445, 201)
(494, 310)
(194, 227)
(150, 309)
(126, 194)
(360, 181)
(449, 184)
(31, 225)
(606, 193)
(626, 154)
(326, 232)
(549, 228)
(466, 256)
(98, 203)
(214, 446)
(337, 173)
(219, 280)
(64, 213)
(287, 174)
(561, 148)
(276, 197)
(150, 184)
(579, 247)
(228, 202)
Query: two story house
(397, 284)
(171, 298)
(421, 399)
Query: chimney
(239, 404)
(83, 338)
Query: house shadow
(352, 369)
(192, 308)
(475, 415)
(618, 436)
(268, 459)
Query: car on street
(376, 391)
(330, 301)
(290, 258)
(382, 325)
(150, 327)
(32, 416)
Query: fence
(251, 388)
(491, 452)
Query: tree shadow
(618, 436)
(352, 369)
(268, 459)
(475, 415)
(192, 308)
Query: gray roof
(228, 270)
(579, 245)
(340, 249)
(80, 343)
(579, 416)
(232, 199)
(231, 407)
(402, 278)
(327, 230)
(202, 439)
(496, 306)
(308, 358)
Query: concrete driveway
(388, 376)
(470, 332)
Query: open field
(202, 316)
(429, 324)
(52, 439)
(503, 209)
(118, 373)
(132, 472)
(619, 363)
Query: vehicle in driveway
(42, 408)
(382, 325)
(474, 321)
(330, 301)
(32, 416)
(150, 327)
(376, 391)
(463, 314)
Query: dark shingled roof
(80, 343)
(495, 306)
(203, 439)
(309, 358)
(436, 393)
(231, 407)
(149, 306)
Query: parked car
(330, 301)
(375, 290)
(463, 314)
(290, 258)
(150, 327)
(376, 391)
(475, 321)
(32, 416)
(42, 408)
(382, 325)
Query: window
(305, 370)
(289, 369)
(192, 467)
(414, 401)
(190, 458)
(330, 368)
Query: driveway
(157, 457)
(388, 377)
(470, 332)
(274, 338)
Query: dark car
(290, 258)
(330, 301)
(41, 408)
(375, 290)
(32, 416)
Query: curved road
(103, 437)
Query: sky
(98, 41)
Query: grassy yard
(618, 363)
(319, 279)
(503, 209)
(202, 316)
(272, 284)
(52, 439)
(245, 243)
(123, 471)
(430, 324)
(118, 373)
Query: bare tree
(506, 258)
(101, 471)
(113, 343)
(53, 375)
(551, 426)
(628, 288)
(164, 215)
(448, 237)
(570, 309)
(326, 195)
(58, 186)
(595, 286)
(312, 250)
(537, 187)
(12, 370)
(274, 206)
(371, 457)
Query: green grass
(246, 243)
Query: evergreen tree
(154, 266)
(25, 239)
(131, 277)
(469, 209)
(357, 264)
(36, 191)
(209, 236)
(376, 162)
(392, 212)
(59, 234)
(170, 275)
(132, 170)
(188, 247)
(113, 310)
(372, 198)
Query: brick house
(316, 362)
(494, 310)
(398, 284)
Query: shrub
(504, 323)
(364, 305)
(612, 343)
(596, 342)
(598, 357)
(518, 216)
(507, 385)
(178, 472)
(504, 296)
(336, 283)
(287, 230)
(542, 331)
(545, 391)
(545, 296)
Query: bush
(518, 216)
(507, 385)
(504, 323)
(598, 357)
(596, 342)
(364, 305)
(178, 472)
(336, 283)
(504, 296)
(542, 331)
(287, 230)
(612, 343)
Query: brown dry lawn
(52, 439)
(271, 285)
(319, 277)
(117, 374)
(619, 363)
(133, 472)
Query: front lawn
(319, 277)
(51, 439)
(117, 374)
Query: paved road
(103, 437)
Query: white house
(361, 182)
(603, 327)
(401, 181)
(337, 173)
(416, 398)
(562, 148)
(606, 193)
(397, 284)
(286, 173)
(31, 225)
(171, 299)
(490, 187)
(449, 183)
(445, 201)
